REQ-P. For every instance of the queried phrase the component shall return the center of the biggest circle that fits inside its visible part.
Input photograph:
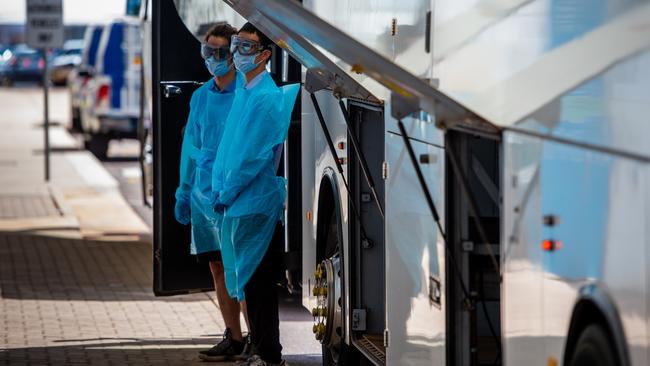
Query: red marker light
(549, 245)
(341, 145)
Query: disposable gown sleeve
(252, 147)
(191, 144)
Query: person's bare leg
(229, 307)
(244, 310)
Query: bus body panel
(395, 29)
(415, 257)
(592, 179)
(309, 189)
(600, 201)
(507, 49)
(523, 327)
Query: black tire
(594, 348)
(75, 114)
(7, 81)
(98, 145)
(348, 356)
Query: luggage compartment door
(177, 70)
(415, 254)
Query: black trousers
(262, 301)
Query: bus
(468, 180)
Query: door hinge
(386, 339)
(156, 254)
(384, 170)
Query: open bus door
(178, 70)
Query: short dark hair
(223, 30)
(265, 41)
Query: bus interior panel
(473, 226)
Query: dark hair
(265, 41)
(223, 30)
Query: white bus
(485, 202)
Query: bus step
(372, 345)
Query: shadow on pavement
(120, 159)
(136, 352)
(112, 352)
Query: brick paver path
(72, 301)
(27, 205)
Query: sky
(74, 11)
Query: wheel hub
(327, 313)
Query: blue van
(111, 102)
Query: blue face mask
(217, 68)
(243, 63)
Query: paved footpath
(75, 263)
(90, 302)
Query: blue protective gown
(209, 108)
(245, 180)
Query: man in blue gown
(209, 107)
(249, 192)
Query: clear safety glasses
(244, 47)
(219, 53)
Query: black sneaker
(226, 350)
(257, 361)
(249, 349)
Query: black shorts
(211, 256)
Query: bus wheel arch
(329, 207)
(595, 309)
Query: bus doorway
(473, 227)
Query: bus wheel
(593, 348)
(328, 289)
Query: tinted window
(133, 7)
(198, 15)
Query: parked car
(65, 60)
(23, 64)
(5, 54)
(110, 105)
(80, 75)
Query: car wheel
(76, 120)
(7, 81)
(594, 348)
(98, 145)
